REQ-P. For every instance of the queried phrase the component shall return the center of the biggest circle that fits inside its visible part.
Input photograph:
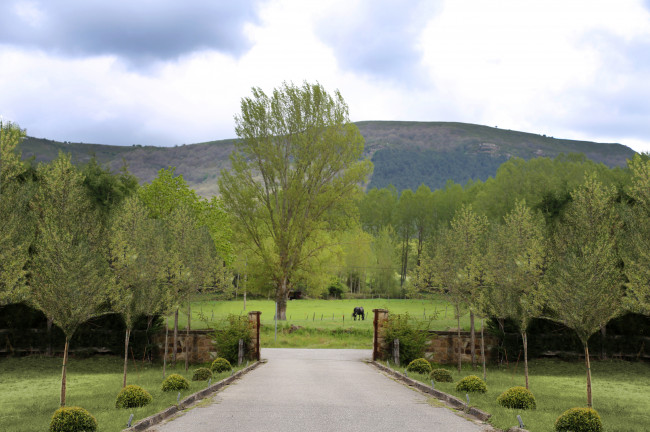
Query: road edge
(159, 417)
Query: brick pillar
(254, 318)
(381, 315)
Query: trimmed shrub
(441, 375)
(175, 382)
(202, 374)
(579, 420)
(421, 366)
(472, 384)
(226, 337)
(412, 340)
(133, 396)
(72, 419)
(517, 398)
(220, 365)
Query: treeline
(79, 242)
(563, 239)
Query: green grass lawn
(31, 387)
(322, 323)
(621, 392)
(330, 314)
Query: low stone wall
(198, 343)
(442, 346)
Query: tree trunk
(460, 355)
(63, 372)
(472, 338)
(175, 337)
(189, 314)
(524, 338)
(49, 337)
(281, 298)
(166, 348)
(603, 333)
(483, 352)
(126, 355)
(589, 404)
(502, 340)
(187, 336)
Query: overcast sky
(162, 72)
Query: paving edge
(450, 400)
(190, 400)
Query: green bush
(517, 398)
(421, 366)
(220, 365)
(175, 382)
(226, 337)
(579, 420)
(202, 374)
(133, 396)
(441, 375)
(472, 384)
(411, 335)
(72, 419)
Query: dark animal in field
(358, 312)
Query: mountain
(405, 154)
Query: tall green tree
(384, 269)
(584, 280)
(137, 256)
(15, 222)
(425, 217)
(636, 254)
(376, 208)
(469, 237)
(295, 172)
(404, 223)
(518, 258)
(69, 270)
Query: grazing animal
(358, 312)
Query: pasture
(321, 323)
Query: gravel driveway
(305, 390)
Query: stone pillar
(381, 315)
(254, 318)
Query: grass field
(321, 323)
(325, 313)
(31, 387)
(621, 392)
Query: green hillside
(405, 154)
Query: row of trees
(78, 243)
(583, 267)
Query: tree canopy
(295, 172)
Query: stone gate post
(381, 315)
(254, 318)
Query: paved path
(305, 390)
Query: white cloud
(573, 69)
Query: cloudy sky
(162, 72)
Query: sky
(162, 72)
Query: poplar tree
(468, 231)
(518, 254)
(295, 172)
(636, 254)
(137, 258)
(15, 223)
(584, 282)
(68, 271)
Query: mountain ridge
(405, 154)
